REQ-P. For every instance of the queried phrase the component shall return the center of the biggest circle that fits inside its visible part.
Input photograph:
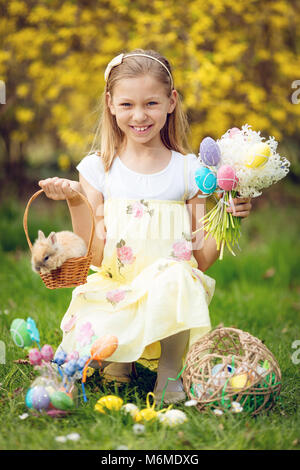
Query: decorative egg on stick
(206, 180)
(20, 334)
(35, 357)
(258, 155)
(233, 131)
(246, 164)
(210, 152)
(101, 349)
(227, 178)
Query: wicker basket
(74, 271)
(229, 365)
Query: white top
(167, 184)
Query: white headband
(119, 59)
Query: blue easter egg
(60, 357)
(70, 367)
(206, 180)
(28, 398)
(210, 152)
(81, 362)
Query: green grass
(249, 295)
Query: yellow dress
(148, 286)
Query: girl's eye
(125, 105)
(152, 103)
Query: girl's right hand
(60, 188)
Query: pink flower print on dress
(139, 208)
(70, 324)
(85, 334)
(115, 296)
(182, 250)
(124, 253)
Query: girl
(149, 288)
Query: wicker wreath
(73, 271)
(229, 365)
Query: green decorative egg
(20, 334)
(61, 401)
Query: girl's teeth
(141, 128)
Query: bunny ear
(41, 235)
(52, 238)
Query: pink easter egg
(233, 131)
(35, 357)
(74, 355)
(47, 353)
(227, 178)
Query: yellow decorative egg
(238, 382)
(110, 402)
(99, 408)
(258, 155)
(145, 415)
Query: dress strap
(186, 185)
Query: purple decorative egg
(40, 398)
(35, 357)
(47, 353)
(227, 178)
(210, 151)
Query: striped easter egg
(19, 333)
(210, 152)
(227, 178)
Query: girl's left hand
(242, 206)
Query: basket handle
(35, 195)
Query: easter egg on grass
(20, 334)
(131, 409)
(210, 152)
(35, 357)
(147, 414)
(40, 398)
(258, 155)
(227, 178)
(205, 180)
(104, 347)
(110, 402)
(28, 398)
(47, 353)
(172, 418)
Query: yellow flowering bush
(233, 63)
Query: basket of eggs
(229, 366)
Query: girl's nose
(139, 115)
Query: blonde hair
(109, 137)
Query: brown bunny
(51, 252)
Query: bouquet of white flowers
(241, 163)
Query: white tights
(170, 362)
